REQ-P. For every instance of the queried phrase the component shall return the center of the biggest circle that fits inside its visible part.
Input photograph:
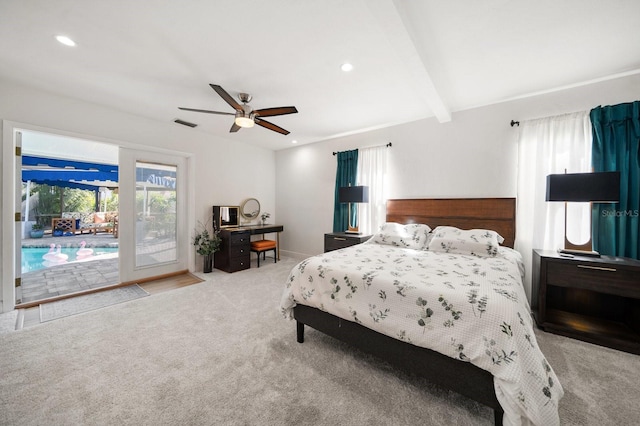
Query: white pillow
(414, 236)
(475, 242)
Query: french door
(152, 221)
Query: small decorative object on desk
(264, 217)
(206, 244)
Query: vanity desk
(267, 229)
(235, 247)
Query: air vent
(184, 123)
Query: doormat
(8, 321)
(89, 302)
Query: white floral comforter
(469, 308)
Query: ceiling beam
(393, 20)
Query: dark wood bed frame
(448, 373)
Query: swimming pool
(32, 256)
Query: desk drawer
(239, 238)
(605, 278)
(239, 263)
(239, 250)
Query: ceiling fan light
(243, 121)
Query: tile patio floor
(70, 277)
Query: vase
(208, 263)
(36, 233)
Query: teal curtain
(346, 174)
(616, 134)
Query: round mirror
(250, 208)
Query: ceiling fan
(245, 115)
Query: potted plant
(37, 230)
(206, 243)
(264, 216)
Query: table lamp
(600, 187)
(353, 194)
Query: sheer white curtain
(548, 146)
(372, 172)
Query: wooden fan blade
(271, 126)
(270, 112)
(206, 110)
(234, 128)
(227, 97)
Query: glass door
(152, 219)
(67, 189)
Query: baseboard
(295, 255)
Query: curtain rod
(569, 114)
(387, 145)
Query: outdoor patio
(70, 277)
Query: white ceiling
(412, 59)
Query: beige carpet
(218, 353)
(89, 302)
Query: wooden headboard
(498, 214)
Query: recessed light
(294, 141)
(65, 40)
(346, 67)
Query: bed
(415, 300)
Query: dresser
(338, 240)
(235, 250)
(595, 299)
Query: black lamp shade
(354, 194)
(601, 187)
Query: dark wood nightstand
(338, 240)
(595, 299)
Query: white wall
(474, 155)
(225, 171)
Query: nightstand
(338, 240)
(595, 299)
